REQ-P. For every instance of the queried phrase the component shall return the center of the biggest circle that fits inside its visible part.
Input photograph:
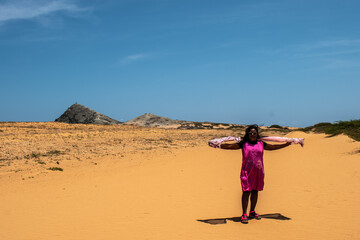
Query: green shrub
(276, 126)
(350, 128)
(32, 155)
(40, 162)
(53, 152)
(55, 169)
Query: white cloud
(327, 54)
(23, 10)
(330, 44)
(317, 49)
(133, 58)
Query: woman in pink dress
(252, 170)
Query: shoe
(254, 215)
(244, 219)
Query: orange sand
(160, 193)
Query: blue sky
(287, 62)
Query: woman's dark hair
(246, 136)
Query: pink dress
(252, 170)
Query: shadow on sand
(276, 216)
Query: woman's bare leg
(245, 201)
(253, 199)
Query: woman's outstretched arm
(276, 147)
(230, 146)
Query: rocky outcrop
(78, 113)
(152, 120)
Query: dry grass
(29, 145)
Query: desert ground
(62, 181)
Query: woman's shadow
(276, 216)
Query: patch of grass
(117, 140)
(150, 140)
(236, 127)
(237, 133)
(356, 152)
(350, 128)
(55, 169)
(32, 155)
(217, 124)
(35, 155)
(282, 130)
(166, 140)
(38, 155)
(198, 125)
(319, 127)
(40, 162)
(52, 152)
(146, 148)
(276, 126)
(279, 128)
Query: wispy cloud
(25, 10)
(238, 13)
(323, 55)
(340, 64)
(331, 44)
(327, 54)
(133, 58)
(320, 48)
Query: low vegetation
(53, 152)
(55, 169)
(40, 162)
(38, 155)
(276, 126)
(349, 128)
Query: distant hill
(78, 113)
(152, 120)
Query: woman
(252, 170)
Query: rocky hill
(78, 113)
(152, 120)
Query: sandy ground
(142, 183)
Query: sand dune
(161, 193)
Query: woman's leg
(245, 200)
(253, 199)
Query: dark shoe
(254, 215)
(244, 219)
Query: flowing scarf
(216, 143)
